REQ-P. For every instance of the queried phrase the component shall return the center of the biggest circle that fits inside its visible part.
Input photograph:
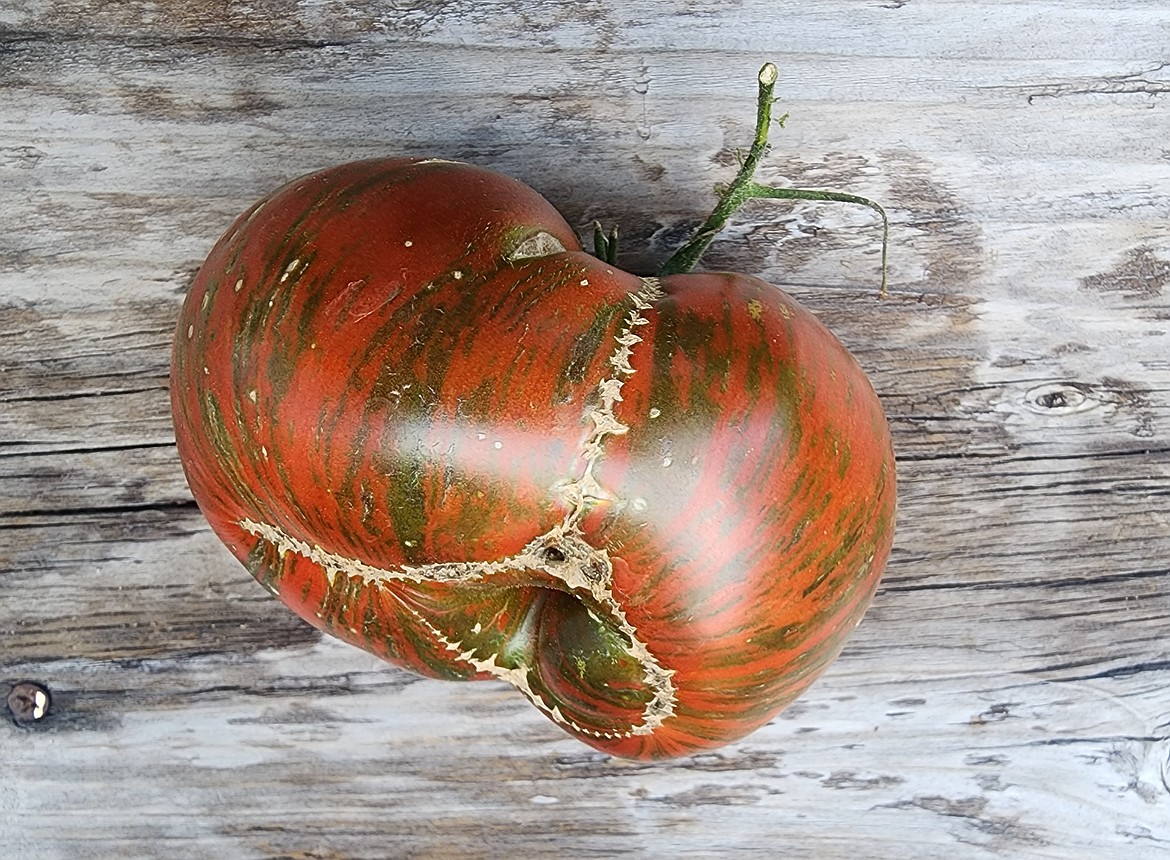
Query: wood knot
(1060, 398)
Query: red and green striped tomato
(436, 429)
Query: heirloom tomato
(436, 428)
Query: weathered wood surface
(1008, 695)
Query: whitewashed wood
(1008, 696)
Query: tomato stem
(605, 247)
(743, 188)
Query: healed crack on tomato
(580, 493)
(561, 553)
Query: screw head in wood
(28, 702)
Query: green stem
(605, 247)
(743, 188)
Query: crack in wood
(1131, 83)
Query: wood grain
(1007, 694)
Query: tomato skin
(437, 429)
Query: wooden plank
(1005, 697)
(1121, 28)
(943, 755)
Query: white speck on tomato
(292, 267)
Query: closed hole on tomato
(539, 245)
